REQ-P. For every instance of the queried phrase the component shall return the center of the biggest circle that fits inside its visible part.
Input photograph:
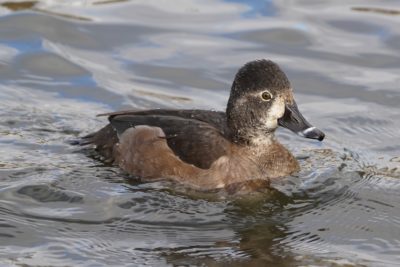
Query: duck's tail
(103, 140)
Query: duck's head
(261, 99)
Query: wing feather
(198, 137)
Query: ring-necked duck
(207, 149)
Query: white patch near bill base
(275, 112)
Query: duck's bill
(294, 121)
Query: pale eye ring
(266, 96)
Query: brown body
(144, 152)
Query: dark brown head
(261, 99)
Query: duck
(235, 150)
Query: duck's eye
(266, 96)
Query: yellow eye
(266, 96)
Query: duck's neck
(262, 140)
(252, 137)
(272, 156)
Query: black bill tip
(312, 133)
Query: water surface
(63, 62)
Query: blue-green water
(63, 62)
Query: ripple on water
(366, 197)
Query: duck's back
(197, 137)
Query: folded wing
(197, 137)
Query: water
(63, 62)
